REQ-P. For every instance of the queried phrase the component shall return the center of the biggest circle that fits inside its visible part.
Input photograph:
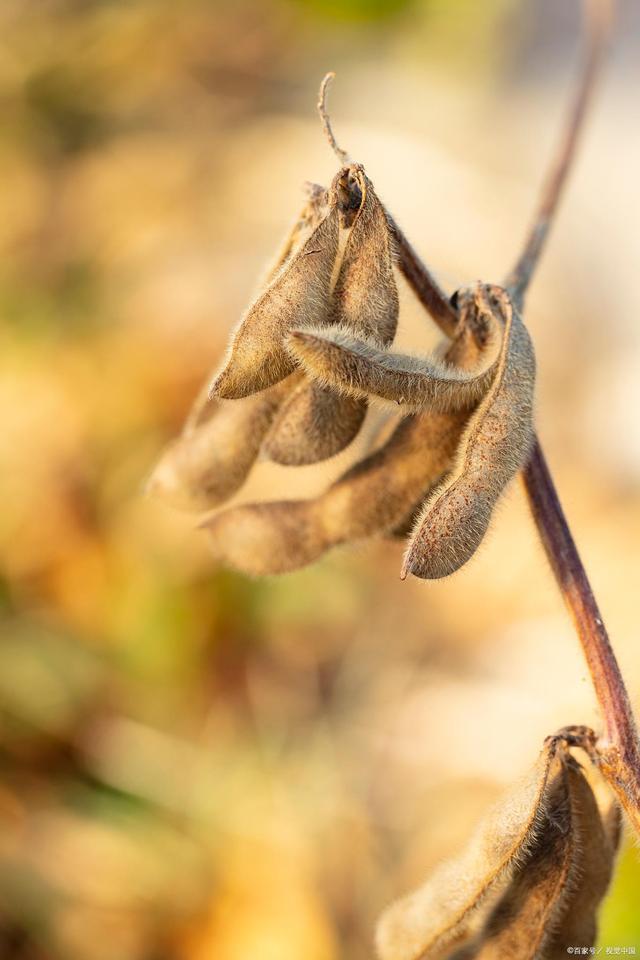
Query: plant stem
(422, 282)
(597, 23)
(617, 753)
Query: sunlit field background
(196, 765)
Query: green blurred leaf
(356, 10)
(620, 918)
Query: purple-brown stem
(617, 752)
(422, 282)
(597, 22)
(576, 589)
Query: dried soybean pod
(359, 368)
(442, 913)
(262, 539)
(376, 493)
(463, 353)
(494, 447)
(552, 899)
(312, 425)
(519, 926)
(310, 216)
(314, 210)
(371, 497)
(211, 460)
(406, 525)
(365, 296)
(598, 835)
(299, 293)
(317, 422)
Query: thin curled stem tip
(420, 279)
(597, 18)
(341, 154)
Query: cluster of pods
(310, 355)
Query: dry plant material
(365, 296)
(317, 422)
(213, 457)
(456, 462)
(299, 292)
(370, 498)
(292, 422)
(463, 354)
(529, 883)
(596, 823)
(314, 210)
(494, 447)
(329, 313)
(374, 496)
(359, 368)
(314, 424)
(331, 317)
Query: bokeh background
(196, 765)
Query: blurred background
(197, 765)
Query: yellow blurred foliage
(200, 766)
